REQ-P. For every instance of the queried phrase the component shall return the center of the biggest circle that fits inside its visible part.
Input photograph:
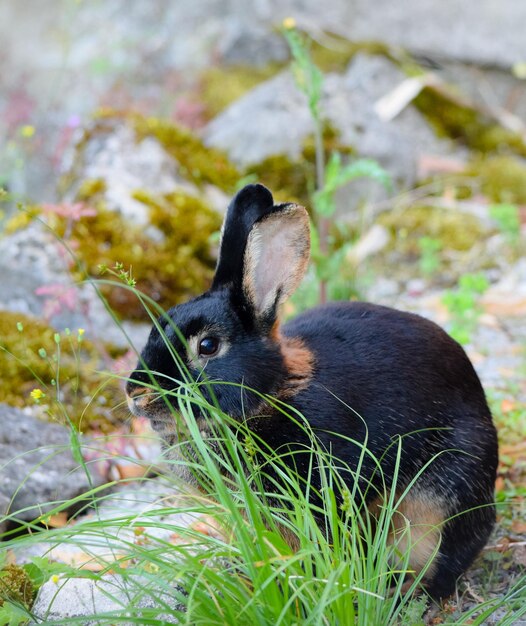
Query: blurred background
(64, 60)
(125, 128)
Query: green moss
(294, 180)
(91, 188)
(290, 180)
(169, 268)
(460, 121)
(16, 586)
(199, 164)
(333, 53)
(220, 86)
(21, 219)
(451, 230)
(30, 358)
(501, 178)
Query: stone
(33, 259)
(482, 33)
(29, 258)
(494, 90)
(160, 503)
(37, 466)
(245, 43)
(119, 65)
(274, 118)
(121, 597)
(397, 144)
(507, 297)
(114, 155)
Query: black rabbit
(348, 367)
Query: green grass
(341, 573)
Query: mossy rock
(221, 86)
(290, 180)
(63, 366)
(21, 219)
(294, 180)
(451, 117)
(199, 164)
(91, 189)
(501, 178)
(172, 263)
(333, 53)
(16, 586)
(454, 230)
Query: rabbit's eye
(208, 346)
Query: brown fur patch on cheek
(298, 360)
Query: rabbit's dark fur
(348, 368)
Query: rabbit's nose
(139, 398)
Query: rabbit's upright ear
(247, 207)
(276, 258)
(263, 254)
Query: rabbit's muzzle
(144, 402)
(164, 419)
(138, 399)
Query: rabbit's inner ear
(276, 258)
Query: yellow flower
(37, 395)
(80, 334)
(289, 23)
(54, 579)
(27, 131)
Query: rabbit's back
(388, 378)
(372, 356)
(380, 374)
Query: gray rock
(32, 258)
(37, 466)
(29, 258)
(154, 500)
(274, 118)
(396, 144)
(509, 293)
(114, 155)
(249, 43)
(484, 32)
(160, 504)
(495, 90)
(111, 595)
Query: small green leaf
(76, 450)
(12, 614)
